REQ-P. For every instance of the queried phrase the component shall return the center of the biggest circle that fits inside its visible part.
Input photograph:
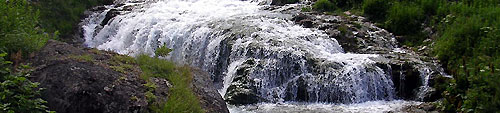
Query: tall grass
(181, 98)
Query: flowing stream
(248, 50)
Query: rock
(426, 107)
(76, 86)
(82, 80)
(111, 14)
(210, 100)
(242, 90)
(283, 2)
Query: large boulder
(82, 80)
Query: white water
(222, 36)
(365, 107)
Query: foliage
(181, 98)
(162, 51)
(347, 4)
(17, 93)
(376, 9)
(404, 18)
(306, 9)
(64, 15)
(324, 6)
(19, 29)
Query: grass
(82, 58)
(181, 98)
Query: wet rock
(210, 100)
(110, 15)
(283, 2)
(427, 107)
(242, 90)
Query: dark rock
(210, 100)
(74, 86)
(242, 90)
(283, 2)
(406, 80)
(111, 14)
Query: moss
(82, 58)
(306, 9)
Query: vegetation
(181, 98)
(17, 93)
(82, 58)
(376, 9)
(64, 15)
(19, 30)
(324, 6)
(19, 34)
(162, 51)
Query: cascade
(249, 52)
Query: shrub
(19, 29)
(17, 93)
(64, 15)
(347, 4)
(376, 9)
(404, 18)
(429, 6)
(324, 6)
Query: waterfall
(244, 48)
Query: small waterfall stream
(248, 51)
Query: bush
(347, 4)
(64, 15)
(324, 6)
(17, 93)
(19, 29)
(181, 98)
(404, 18)
(429, 6)
(376, 9)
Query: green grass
(82, 58)
(404, 18)
(181, 98)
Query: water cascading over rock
(253, 55)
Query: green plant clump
(324, 6)
(64, 15)
(163, 51)
(17, 93)
(181, 98)
(404, 18)
(19, 30)
(376, 9)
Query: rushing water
(281, 61)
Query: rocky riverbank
(82, 80)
